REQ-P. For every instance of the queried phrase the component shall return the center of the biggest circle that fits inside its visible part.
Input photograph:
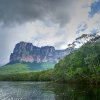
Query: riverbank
(49, 76)
(29, 76)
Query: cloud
(82, 19)
(95, 8)
(81, 27)
(44, 22)
(37, 33)
(32, 10)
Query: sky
(45, 22)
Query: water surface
(47, 91)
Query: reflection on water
(46, 91)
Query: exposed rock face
(26, 52)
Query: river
(47, 91)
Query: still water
(47, 91)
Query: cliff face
(26, 52)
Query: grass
(14, 68)
(24, 68)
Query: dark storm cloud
(31, 10)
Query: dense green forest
(83, 65)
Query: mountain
(26, 52)
(28, 58)
(82, 66)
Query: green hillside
(82, 65)
(14, 68)
(24, 67)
